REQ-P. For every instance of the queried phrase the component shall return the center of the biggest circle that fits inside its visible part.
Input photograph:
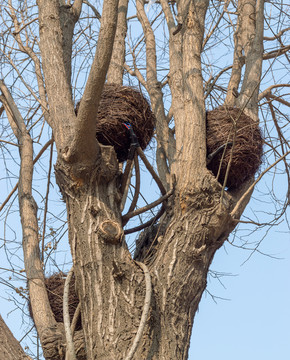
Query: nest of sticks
(121, 104)
(55, 287)
(244, 155)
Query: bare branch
(216, 24)
(131, 214)
(236, 211)
(70, 351)
(85, 124)
(276, 36)
(42, 313)
(275, 53)
(77, 7)
(137, 184)
(97, 14)
(147, 223)
(267, 92)
(164, 150)
(151, 170)
(9, 346)
(116, 68)
(16, 185)
(46, 200)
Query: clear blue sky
(254, 323)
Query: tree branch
(236, 211)
(42, 314)
(141, 210)
(164, 144)
(70, 351)
(253, 12)
(116, 68)
(16, 185)
(84, 142)
(275, 53)
(276, 36)
(267, 92)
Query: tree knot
(111, 231)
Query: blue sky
(254, 321)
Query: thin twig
(75, 318)
(10, 143)
(34, 161)
(239, 203)
(131, 214)
(70, 351)
(148, 223)
(151, 170)
(145, 311)
(136, 190)
(46, 200)
(126, 175)
(137, 184)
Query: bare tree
(56, 52)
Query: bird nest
(55, 287)
(120, 104)
(243, 156)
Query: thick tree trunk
(110, 285)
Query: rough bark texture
(116, 68)
(10, 348)
(198, 217)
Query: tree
(45, 47)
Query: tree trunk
(111, 286)
(109, 283)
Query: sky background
(254, 321)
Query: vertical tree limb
(70, 351)
(190, 130)
(42, 313)
(116, 68)
(165, 141)
(84, 135)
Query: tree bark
(10, 348)
(116, 68)
(110, 285)
(199, 216)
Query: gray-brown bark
(10, 348)
(116, 68)
(110, 286)
(42, 313)
(199, 215)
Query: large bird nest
(121, 104)
(231, 125)
(55, 287)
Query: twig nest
(121, 104)
(55, 287)
(231, 125)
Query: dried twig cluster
(121, 104)
(243, 156)
(55, 287)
